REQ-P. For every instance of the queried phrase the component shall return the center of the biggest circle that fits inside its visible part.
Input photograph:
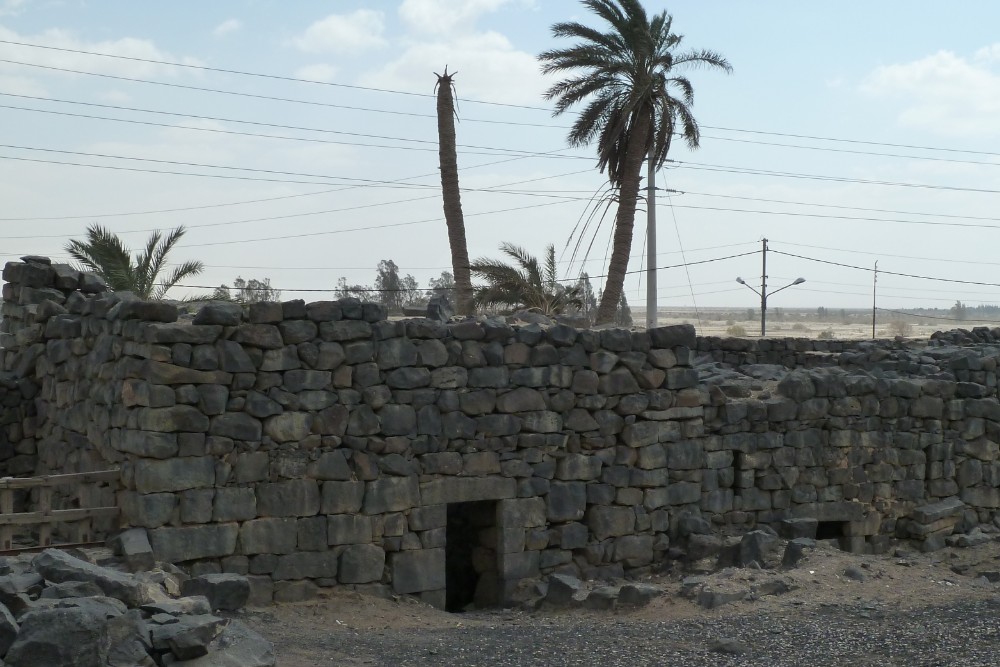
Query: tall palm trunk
(451, 194)
(628, 197)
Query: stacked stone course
(321, 444)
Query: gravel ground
(858, 634)
(904, 608)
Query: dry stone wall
(321, 444)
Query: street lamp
(763, 294)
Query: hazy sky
(896, 108)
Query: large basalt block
(177, 544)
(348, 529)
(605, 522)
(294, 497)
(223, 591)
(268, 536)
(468, 489)
(185, 418)
(391, 494)
(236, 425)
(59, 567)
(178, 474)
(361, 564)
(418, 571)
(566, 501)
(306, 565)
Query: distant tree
(524, 284)
(105, 254)
(247, 291)
(751, 314)
(344, 290)
(444, 285)
(959, 311)
(588, 300)
(395, 292)
(900, 328)
(822, 314)
(623, 316)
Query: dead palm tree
(524, 284)
(451, 194)
(104, 253)
(627, 78)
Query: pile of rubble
(57, 608)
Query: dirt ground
(347, 628)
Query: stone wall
(321, 444)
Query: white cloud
(115, 97)
(317, 72)
(130, 47)
(12, 7)
(20, 85)
(944, 93)
(488, 67)
(360, 30)
(227, 26)
(445, 16)
(989, 53)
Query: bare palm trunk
(451, 194)
(628, 197)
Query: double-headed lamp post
(763, 294)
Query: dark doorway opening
(831, 530)
(471, 576)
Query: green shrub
(736, 331)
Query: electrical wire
(888, 273)
(819, 177)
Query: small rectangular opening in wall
(471, 571)
(831, 530)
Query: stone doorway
(471, 572)
(831, 530)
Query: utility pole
(874, 283)
(651, 319)
(763, 291)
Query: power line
(426, 95)
(819, 177)
(852, 141)
(840, 206)
(852, 152)
(796, 214)
(884, 254)
(258, 201)
(263, 124)
(254, 74)
(888, 273)
(256, 135)
(288, 215)
(368, 228)
(287, 289)
(271, 98)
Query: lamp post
(763, 294)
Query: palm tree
(526, 284)
(451, 194)
(626, 77)
(106, 255)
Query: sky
(847, 133)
